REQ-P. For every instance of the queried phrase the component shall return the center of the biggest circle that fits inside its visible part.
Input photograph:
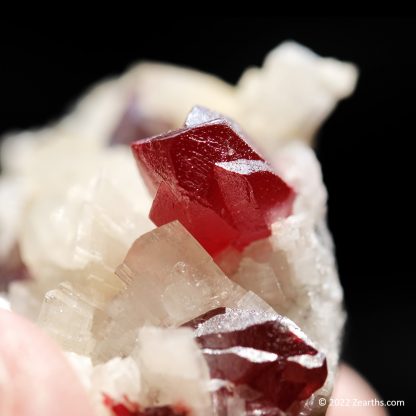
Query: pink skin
(350, 387)
(36, 380)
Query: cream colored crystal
(294, 270)
(173, 369)
(119, 378)
(166, 367)
(291, 94)
(170, 280)
(298, 165)
(289, 97)
(79, 228)
(68, 319)
(11, 208)
(92, 217)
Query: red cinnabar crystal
(268, 361)
(208, 177)
(133, 409)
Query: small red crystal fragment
(133, 409)
(268, 360)
(162, 411)
(214, 183)
(120, 409)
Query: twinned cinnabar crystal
(211, 180)
(263, 358)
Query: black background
(365, 147)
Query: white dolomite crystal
(294, 270)
(119, 378)
(291, 94)
(79, 228)
(166, 367)
(170, 279)
(173, 368)
(68, 318)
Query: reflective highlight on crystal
(264, 358)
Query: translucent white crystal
(68, 318)
(292, 94)
(294, 270)
(26, 297)
(201, 115)
(297, 164)
(173, 368)
(109, 200)
(79, 228)
(11, 197)
(170, 280)
(118, 378)
(166, 367)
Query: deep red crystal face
(269, 362)
(214, 183)
(133, 409)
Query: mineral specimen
(73, 207)
(214, 183)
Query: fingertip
(35, 378)
(353, 396)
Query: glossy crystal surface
(262, 358)
(211, 180)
